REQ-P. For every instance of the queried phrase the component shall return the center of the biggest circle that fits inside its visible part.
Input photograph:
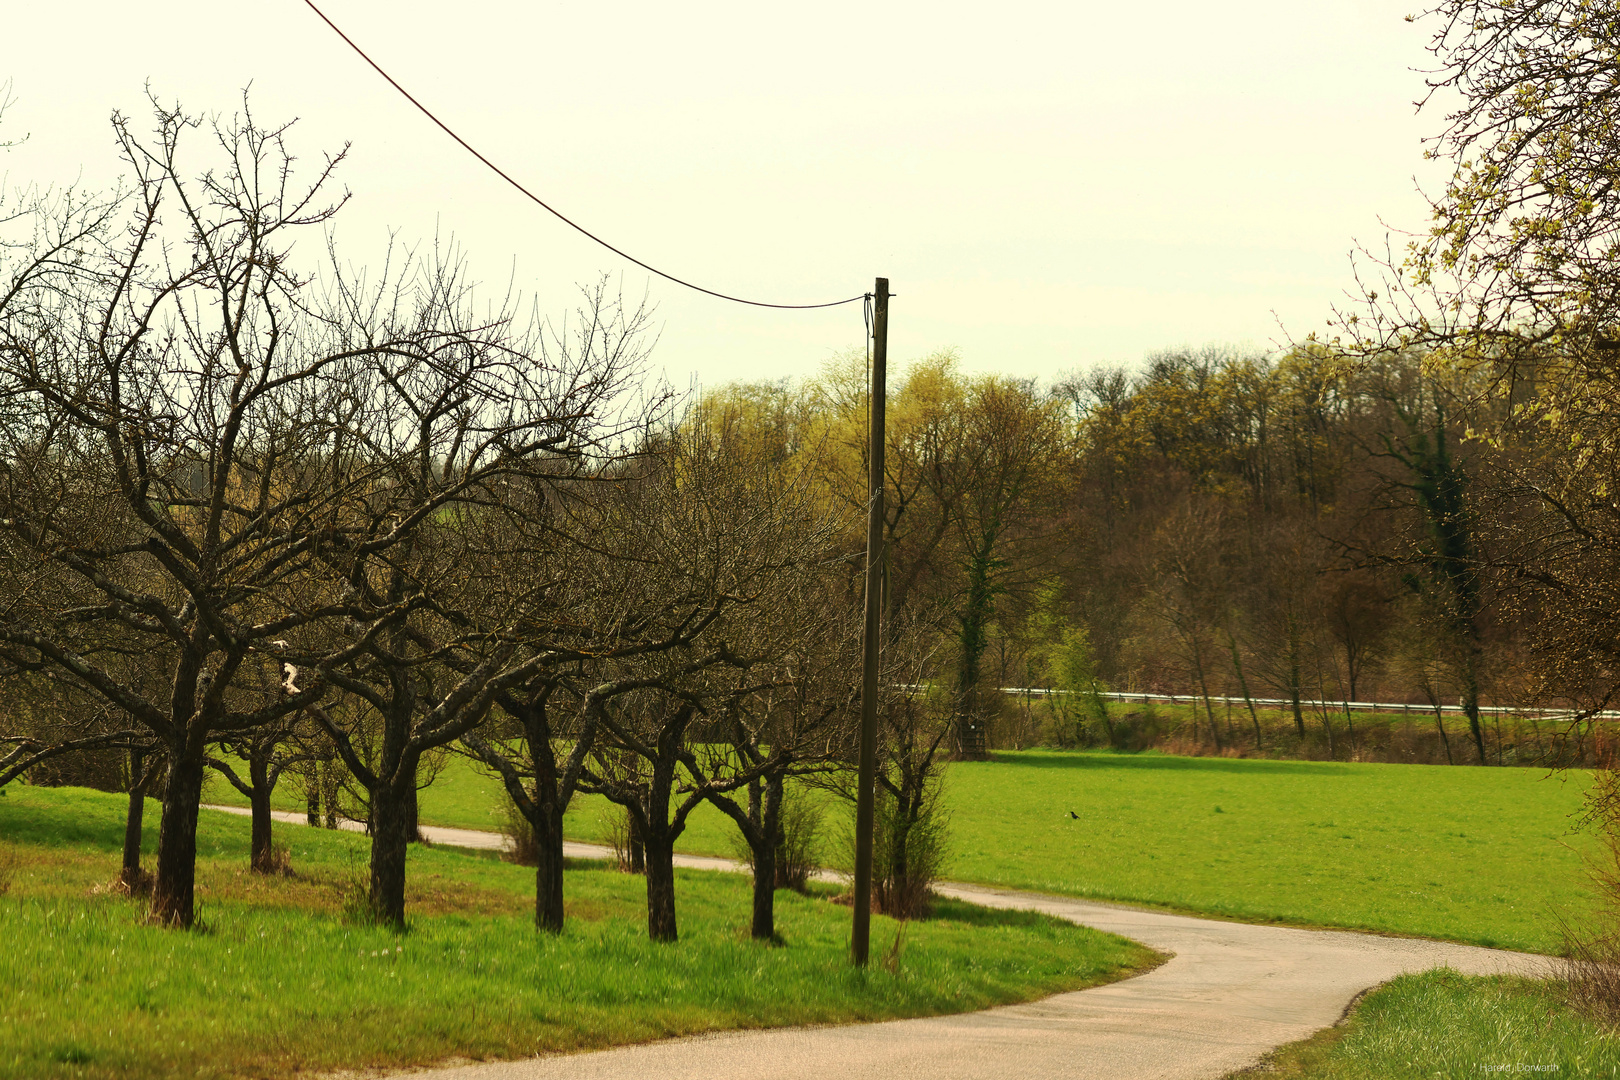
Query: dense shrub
(798, 848)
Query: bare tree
(610, 612)
(1284, 603)
(267, 751)
(791, 716)
(1426, 479)
(158, 368)
(731, 535)
(1188, 598)
(917, 722)
(448, 430)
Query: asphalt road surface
(1230, 993)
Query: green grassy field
(1442, 1024)
(1481, 855)
(1478, 855)
(462, 795)
(278, 980)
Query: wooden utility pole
(861, 934)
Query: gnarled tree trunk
(173, 891)
(761, 828)
(391, 799)
(134, 819)
(661, 887)
(262, 859)
(548, 880)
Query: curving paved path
(1230, 993)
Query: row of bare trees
(260, 515)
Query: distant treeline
(1303, 526)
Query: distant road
(1314, 703)
(477, 838)
(1230, 993)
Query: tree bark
(329, 794)
(1440, 723)
(413, 831)
(660, 888)
(1203, 690)
(548, 839)
(552, 792)
(132, 838)
(133, 819)
(389, 820)
(980, 606)
(900, 856)
(1295, 679)
(262, 859)
(1470, 703)
(646, 800)
(543, 807)
(548, 806)
(761, 827)
(1243, 684)
(902, 889)
(766, 845)
(763, 927)
(637, 853)
(548, 877)
(174, 890)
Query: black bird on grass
(1074, 815)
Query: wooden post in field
(861, 933)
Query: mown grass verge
(279, 980)
(1444, 1025)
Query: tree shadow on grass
(27, 821)
(1059, 759)
(949, 909)
(86, 818)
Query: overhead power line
(538, 201)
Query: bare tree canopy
(214, 463)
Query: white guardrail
(1314, 703)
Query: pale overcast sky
(1048, 186)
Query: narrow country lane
(1230, 993)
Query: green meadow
(1488, 856)
(282, 976)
